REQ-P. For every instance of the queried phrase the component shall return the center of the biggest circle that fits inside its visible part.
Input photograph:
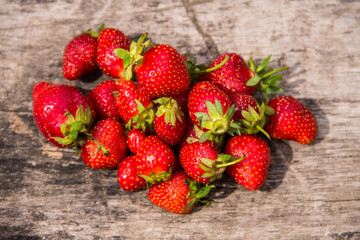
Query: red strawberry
(135, 108)
(107, 147)
(155, 160)
(162, 72)
(170, 121)
(232, 76)
(135, 139)
(128, 178)
(179, 194)
(211, 110)
(102, 97)
(202, 162)
(292, 121)
(237, 76)
(110, 39)
(249, 113)
(252, 171)
(61, 113)
(79, 58)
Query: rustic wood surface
(312, 192)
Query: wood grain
(312, 192)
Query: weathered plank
(312, 192)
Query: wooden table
(312, 192)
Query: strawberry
(155, 160)
(102, 97)
(211, 110)
(233, 76)
(252, 171)
(179, 194)
(292, 121)
(160, 70)
(128, 178)
(202, 162)
(170, 121)
(62, 114)
(135, 108)
(135, 139)
(237, 76)
(110, 39)
(107, 146)
(249, 113)
(79, 58)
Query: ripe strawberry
(179, 194)
(128, 178)
(110, 39)
(202, 162)
(252, 171)
(135, 108)
(79, 58)
(292, 121)
(211, 110)
(233, 76)
(237, 76)
(135, 139)
(170, 121)
(62, 114)
(162, 72)
(249, 113)
(155, 160)
(107, 146)
(102, 97)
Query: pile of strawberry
(166, 123)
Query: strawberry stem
(213, 68)
(222, 165)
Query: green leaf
(207, 175)
(205, 136)
(203, 192)
(191, 204)
(274, 80)
(251, 63)
(80, 114)
(212, 110)
(253, 81)
(269, 111)
(273, 89)
(88, 116)
(64, 129)
(63, 141)
(219, 107)
(127, 61)
(208, 162)
(121, 53)
(76, 126)
(73, 135)
(247, 115)
(263, 64)
(203, 116)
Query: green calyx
(215, 169)
(170, 108)
(253, 121)
(77, 129)
(133, 57)
(196, 192)
(195, 70)
(144, 119)
(153, 178)
(216, 121)
(266, 78)
(218, 140)
(93, 33)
